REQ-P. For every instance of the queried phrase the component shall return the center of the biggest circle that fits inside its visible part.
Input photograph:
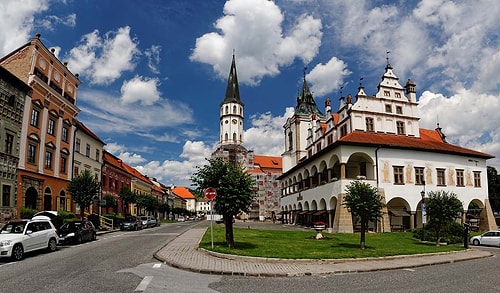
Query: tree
(127, 197)
(110, 201)
(442, 207)
(234, 187)
(83, 188)
(147, 201)
(365, 204)
(494, 188)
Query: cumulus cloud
(140, 89)
(265, 136)
(104, 59)
(18, 22)
(254, 30)
(467, 118)
(325, 78)
(179, 172)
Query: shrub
(27, 213)
(454, 233)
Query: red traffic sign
(210, 193)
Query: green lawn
(303, 245)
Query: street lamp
(424, 215)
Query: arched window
(227, 109)
(47, 199)
(234, 136)
(62, 200)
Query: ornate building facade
(13, 93)
(46, 139)
(376, 139)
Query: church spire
(232, 90)
(305, 101)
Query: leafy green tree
(127, 197)
(494, 188)
(234, 187)
(110, 202)
(164, 209)
(365, 204)
(443, 208)
(147, 202)
(83, 188)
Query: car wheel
(52, 245)
(94, 236)
(17, 252)
(475, 242)
(79, 239)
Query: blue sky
(154, 72)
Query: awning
(399, 213)
(318, 213)
(302, 213)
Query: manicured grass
(303, 245)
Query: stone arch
(359, 165)
(400, 214)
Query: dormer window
(398, 95)
(387, 93)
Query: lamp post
(424, 215)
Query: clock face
(234, 121)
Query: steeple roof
(232, 90)
(305, 102)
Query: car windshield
(144, 218)
(130, 219)
(71, 225)
(13, 227)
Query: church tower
(296, 127)
(231, 122)
(231, 111)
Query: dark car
(131, 223)
(77, 232)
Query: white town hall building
(376, 139)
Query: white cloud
(265, 136)
(153, 55)
(108, 114)
(140, 89)
(105, 58)
(131, 159)
(254, 30)
(467, 118)
(327, 77)
(51, 20)
(179, 172)
(17, 18)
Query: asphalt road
(123, 262)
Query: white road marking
(157, 265)
(144, 283)
(410, 270)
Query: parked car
(131, 223)
(21, 236)
(154, 221)
(77, 232)
(146, 222)
(181, 219)
(53, 216)
(488, 238)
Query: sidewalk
(183, 253)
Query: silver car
(491, 238)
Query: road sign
(210, 193)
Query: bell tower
(231, 111)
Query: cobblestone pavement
(183, 253)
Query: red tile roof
(183, 192)
(430, 140)
(268, 163)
